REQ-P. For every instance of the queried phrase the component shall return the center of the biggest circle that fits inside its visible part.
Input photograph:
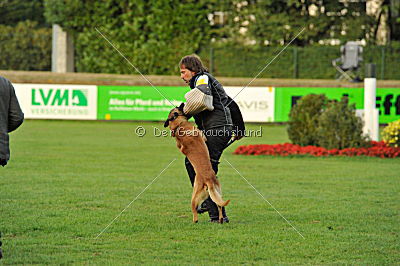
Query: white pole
(371, 115)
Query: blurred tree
(395, 19)
(272, 22)
(14, 11)
(25, 47)
(153, 35)
(386, 27)
(380, 30)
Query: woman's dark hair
(193, 63)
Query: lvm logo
(59, 97)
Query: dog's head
(175, 117)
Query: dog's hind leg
(195, 201)
(194, 211)
(198, 196)
(220, 216)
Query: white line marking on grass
(262, 70)
(137, 70)
(135, 198)
(264, 198)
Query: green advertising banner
(388, 103)
(137, 102)
(387, 100)
(146, 103)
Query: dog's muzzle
(171, 119)
(176, 114)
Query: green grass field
(68, 180)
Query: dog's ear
(180, 108)
(166, 123)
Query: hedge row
(311, 62)
(25, 47)
(28, 47)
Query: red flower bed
(377, 149)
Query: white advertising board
(56, 101)
(256, 103)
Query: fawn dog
(191, 142)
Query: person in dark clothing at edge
(11, 117)
(215, 113)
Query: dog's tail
(216, 196)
